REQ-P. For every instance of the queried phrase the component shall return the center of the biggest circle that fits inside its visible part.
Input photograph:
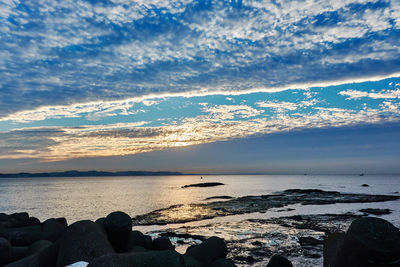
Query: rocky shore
(303, 240)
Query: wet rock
(219, 197)
(369, 241)
(162, 243)
(279, 261)
(144, 259)
(137, 249)
(33, 221)
(82, 241)
(148, 242)
(18, 253)
(376, 211)
(365, 185)
(309, 241)
(222, 263)
(5, 251)
(202, 185)
(22, 238)
(119, 227)
(210, 250)
(332, 243)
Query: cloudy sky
(200, 86)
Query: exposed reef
(203, 185)
(248, 204)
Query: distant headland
(87, 174)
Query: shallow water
(94, 197)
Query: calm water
(94, 197)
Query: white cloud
(383, 94)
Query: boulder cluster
(110, 241)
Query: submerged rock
(203, 185)
(376, 211)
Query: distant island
(87, 174)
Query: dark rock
(46, 257)
(22, 217)
(82, 241)
(210, 250)
(191, 262)
(54, 228)
(119, 227)
(279, 261)
(137, 249)
(3, 217)
(332, 243)
(101, 223)
(309, 241)
(137, 239)
(38, 246)
(25, 238)
(222, 263)
(162, 243)
(5, 251)
(143, 259)
(219, 197)
(369, 241)
(202, 185)
(364, 185)
(18, 253)
(33, 221)
(257, 243)
(148, 242)
(376, 211)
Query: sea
(79, 198)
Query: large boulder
(168, 258)
(82, 241)
(119, 227)
(5, 251)
(279, 261)
(210, 250)
(162, 243)
(54, 228)
(369, 241)
(46, 257)
(137, 239)
(332, 243)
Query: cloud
(76, 52)
(384, 94)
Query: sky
(200, 86)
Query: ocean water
(95, 197)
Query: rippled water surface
(94, 197)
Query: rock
(79, 264)
(101, 223)
(369, 241)
(191, 262)
(22, 217)
(202, 185)
(137, 239)
(309, 241)
(148, 242)
(54, 228)
(82, 241)
(364, 185)
(332, 243)
(46, 257)
(144, 259)
(22, 238)
(210, 250)
(119, 227)
(137, 249)
(33, 221)
(162, 243)
(218, 197)
(279, 261)
(38, 246)
(222, 263)
(376, 211)
(18, 253)
(5, 251)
